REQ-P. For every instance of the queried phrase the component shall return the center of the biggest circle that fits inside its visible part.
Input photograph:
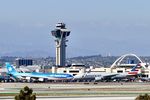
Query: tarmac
(83, 90)
(76, 98)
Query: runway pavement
(77, 98)
(90, 98)
(78, 89)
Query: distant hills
(93, 60)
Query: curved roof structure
(120, 59)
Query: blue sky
(97, 27)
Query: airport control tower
(60, 33)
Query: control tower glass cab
(60, 33)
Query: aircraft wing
(105, 76)
(123, 75)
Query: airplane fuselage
(49, 76)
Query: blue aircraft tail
(135, 67)
(10, 69)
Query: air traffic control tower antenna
(60, 33)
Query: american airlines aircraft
(102, 76)
(37, 76)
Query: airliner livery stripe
(133, 73)
(59, 76)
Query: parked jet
(101, 76)
(134, 71)
(37, 76)
(90, 76)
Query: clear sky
(97, 27)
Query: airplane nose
(77, 76)
(70, 76)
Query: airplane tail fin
(135, 67)
(134, 70)
(10, 69)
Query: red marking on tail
(133, 73)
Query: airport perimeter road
(80, 98)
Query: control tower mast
(60, 33)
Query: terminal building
(123, 64)
(74, 69)
(24, 62)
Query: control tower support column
(60, 33)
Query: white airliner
(100, 76)
(37, 76)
